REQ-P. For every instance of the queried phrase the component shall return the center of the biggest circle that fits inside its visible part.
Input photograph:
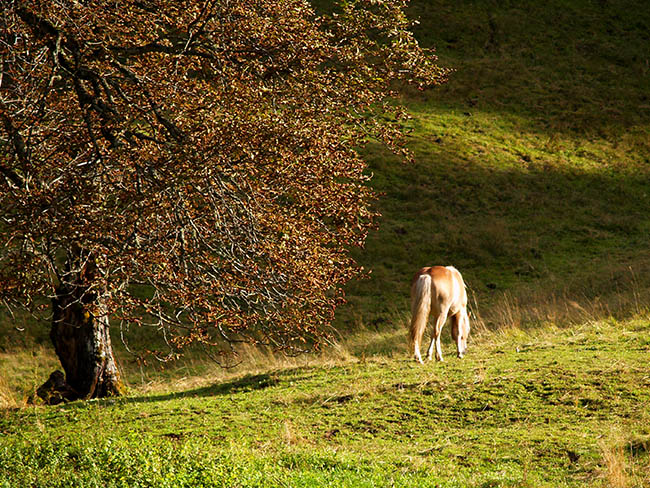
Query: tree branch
(18, 145)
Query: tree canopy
(194, 165)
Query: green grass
(532, 162)
(531, 176)
(530, 408)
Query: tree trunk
(82, 342)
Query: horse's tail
(420, 307)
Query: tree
(191, 165)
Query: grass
(531, 163)
(531, 177)
(525, 408)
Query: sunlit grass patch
(524, 407)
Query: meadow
(531, 176)
(552, 407)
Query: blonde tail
(420, 307)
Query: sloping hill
(532, 165)
(531, 176)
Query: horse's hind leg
(435, 340)
(416, 349)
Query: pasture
(531, 177)
(550, 407)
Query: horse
(442, 289)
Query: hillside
(531, 176)
(532, 165)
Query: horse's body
(440, 290)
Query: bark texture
(82, 342)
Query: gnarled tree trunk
(83, 344)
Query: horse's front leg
(435, 340)
(456, 334)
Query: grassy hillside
(531, 176)
(545, 408)
(532, 165)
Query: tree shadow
(245, 384)
(555, 228)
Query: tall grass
(8, 399)
(615, 469)
(532, 306)
(625, 460)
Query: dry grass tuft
(8, 399)
(615, 469)
(289, 435)
(625, 297)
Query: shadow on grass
(564, 231)
(245, 384)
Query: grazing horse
(441, 290)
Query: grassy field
(532, 177)
(550, 407)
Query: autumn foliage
(194, 165)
